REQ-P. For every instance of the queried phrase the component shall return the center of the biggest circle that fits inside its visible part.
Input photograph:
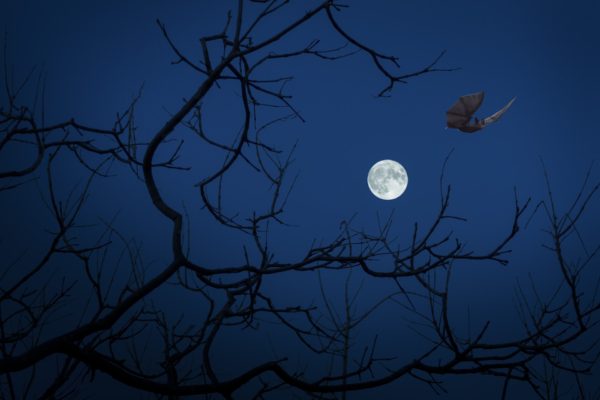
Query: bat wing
(496, 116)
(460, 113)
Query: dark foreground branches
(107, 301)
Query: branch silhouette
(111, 315)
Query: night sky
(97, 56)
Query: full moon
(387, 179)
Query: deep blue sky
(96, 56)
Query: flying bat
(459, 115)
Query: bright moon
(387, 179)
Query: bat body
(460, 114)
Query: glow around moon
(387, 179)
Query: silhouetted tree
(112, 323)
